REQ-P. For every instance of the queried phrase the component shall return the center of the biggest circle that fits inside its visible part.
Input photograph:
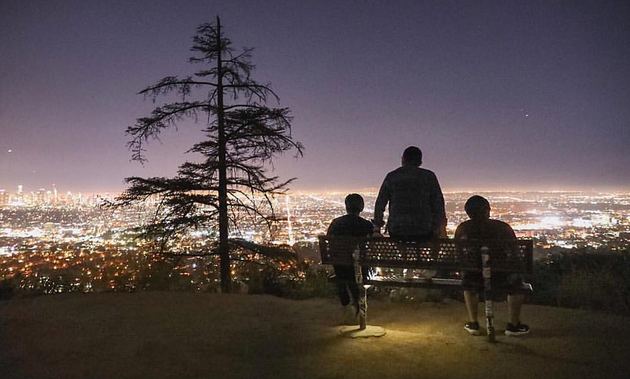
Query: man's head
(412, 156)
(354, 203)
(477, 208)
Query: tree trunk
(224, 250)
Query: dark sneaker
(472, 328)
(516, 330)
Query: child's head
(477, 208)
(354, 203)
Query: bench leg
(362, 307)
(489, 321)
(487, 291)
(358, 272)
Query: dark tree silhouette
(242, 136)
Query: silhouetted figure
(480, 226)
(350, 225)
(416, 203)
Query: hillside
(185, 335)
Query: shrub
(597, 283)
(584, 279)
(7, 289)
(303, 281)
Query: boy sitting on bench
(480, 226)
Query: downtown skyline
(499, 96)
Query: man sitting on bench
(480, 226)
(356, 226)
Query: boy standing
(352, 224)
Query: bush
(313, 282)
(546, 280)
(597, 283)
(587, 280)
(303, 281)
(7, 289)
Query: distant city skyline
(64, 192)
(499, 96)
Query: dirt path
(181, 335)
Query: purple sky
(498, 95)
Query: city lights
(68, 243)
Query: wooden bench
(487, 257)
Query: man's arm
(437, 209)
(381, 202)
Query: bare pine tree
(241, 137)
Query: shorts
(499, 280)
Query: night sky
(498, 95)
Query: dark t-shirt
(484, 229)
(488, 229)
(350, 225)
(353, 226)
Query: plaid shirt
(416, 203)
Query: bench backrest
(442, 254)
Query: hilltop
(187, 335)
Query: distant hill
(187, 335)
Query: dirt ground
(183, 335)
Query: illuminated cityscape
(65, 243)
